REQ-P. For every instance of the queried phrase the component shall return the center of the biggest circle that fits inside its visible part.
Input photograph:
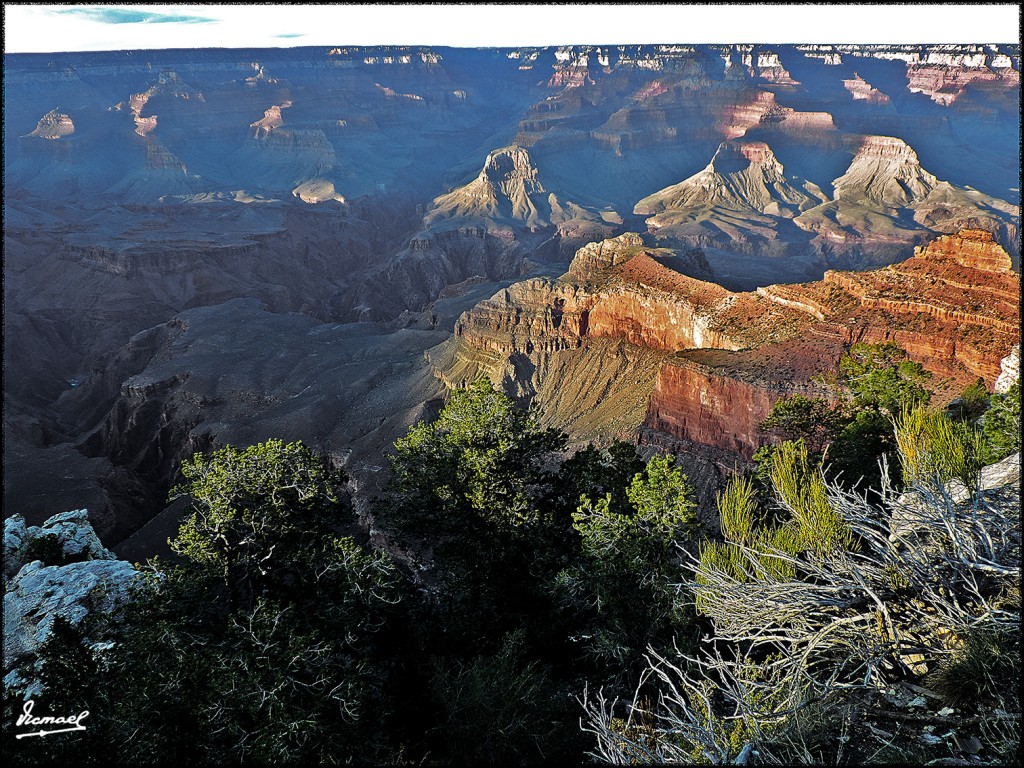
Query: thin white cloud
(49, 28)
(122, 15)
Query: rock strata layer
(723, 357)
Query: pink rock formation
(946, 82)
(954, 307)
(271, 119)
(53, 125)
(863, 91)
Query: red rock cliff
(699, 404)
(727, 357)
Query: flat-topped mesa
(813, 127)
(764, 114)
(503, 189)
(741, 173)
(53, 125)
(271, 119)
(752, 151)
(889, 148)
(885, 171)
(973, 248)
(509, 168)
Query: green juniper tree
(262, 643)
(1000, 426)
(468, 485)
(620, 592)
(848, 435)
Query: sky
(42, 27)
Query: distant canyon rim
(211, 247)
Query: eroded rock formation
(861, 90)
(173, 195)
(726, 357)
(54, 125)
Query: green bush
(985, 666)
(934, 448)
(1001, 425)
(801, 489)
(973, 402)
(620, 592)
(882, 376)
(813, 420)
(494, 710)
(482, 460)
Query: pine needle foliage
(935, 449)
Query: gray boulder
(72, 539)
(56, 570)
(39, 594)
(15, 536)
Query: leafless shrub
(924, 570)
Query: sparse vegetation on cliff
(899, 646)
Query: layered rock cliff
(182, 188)
(507, 188)
(724, 358)
(885, 171)
(54, 125)
(741, 174)
(485, 229)
(886, 201)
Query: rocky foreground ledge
(58, 570)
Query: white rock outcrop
(72, 533)
(85, 579)
(1009, 370)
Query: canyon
(654, 243)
